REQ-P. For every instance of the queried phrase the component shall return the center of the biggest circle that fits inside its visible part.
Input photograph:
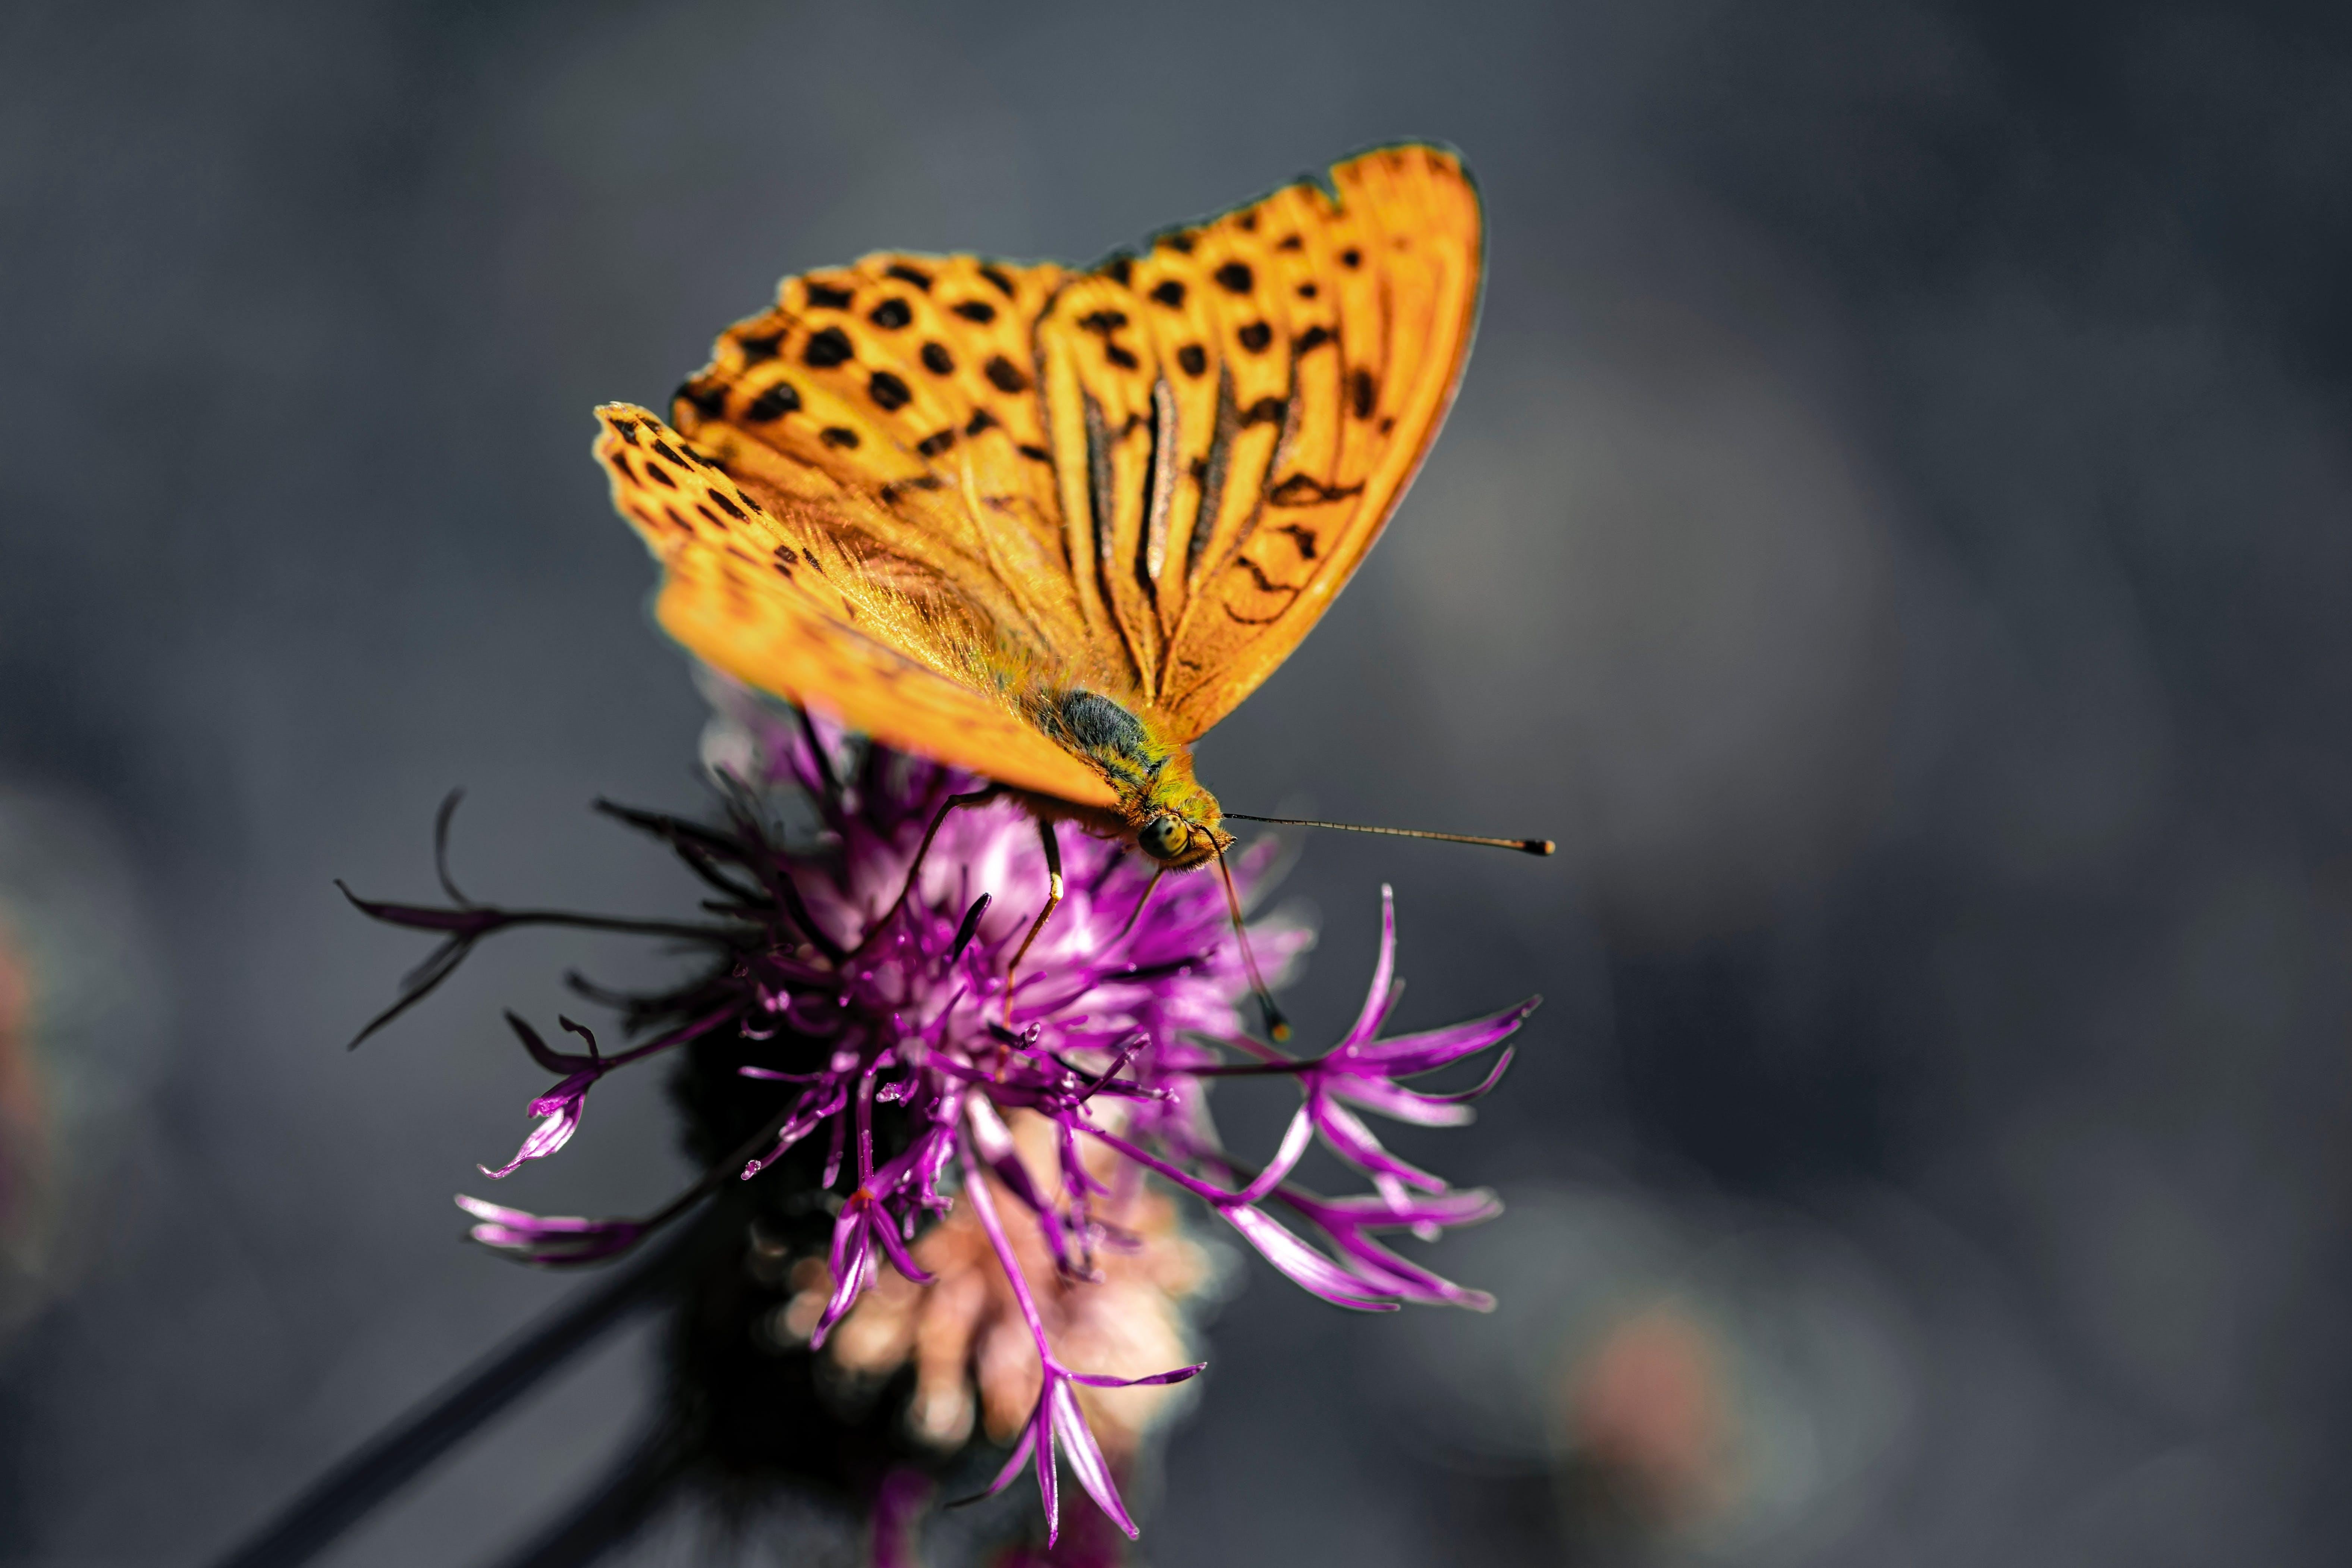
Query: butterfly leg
(1053, 902)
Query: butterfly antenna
(1524, 846)
(1276, 1024)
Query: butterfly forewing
(1147, 481)
(1369, 319)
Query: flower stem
(398, 1454)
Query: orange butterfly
(1051, 525)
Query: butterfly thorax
(1171, 817)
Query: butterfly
(1049, 525)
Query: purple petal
(1021, 1452)
(1433, 1048)
(544, 1140)
(851, 1276)
(1462, 1206)
(571, 1092)
(1181, 1375)
(1354, 1142)
(1377, 999)
(1302, 1263)
(549, 1238)
(1380, 1095)
(1376, 1265)
(1086, 1455)
(1294, 1140)
(1048, 1491)
(900, 1259)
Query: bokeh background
(1895, 534)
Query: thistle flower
(858, 1004)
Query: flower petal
(1432, 1048)
(1303, 1264)
(1377, 999)
(1294, 1140)
(1353, 1141)
(1086, 1455)
(545, 1138)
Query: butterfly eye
(1162, 838)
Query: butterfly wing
(771, 593)
(1147, 481)
(1245, 401)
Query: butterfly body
(1161, 806)
(1049, 524)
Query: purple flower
(862, 995)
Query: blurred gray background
(1895, 534)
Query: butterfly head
(1178, 843)
(1175, 821)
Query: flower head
(864, 1026)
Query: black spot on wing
(889, 393)
(890, 315)
(1363, 392)
(826, 297)
(1169, 293)
(937, 360)
(979, 311)
(1303, 489)
(780, 399)
(837, 436)
(906, 274)
(1005, 375)
(1192, 359)
(826, 349)
(1255, 336)
(758, 346)
(1004, 284)
(1236, 278)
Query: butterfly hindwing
(771, 596)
